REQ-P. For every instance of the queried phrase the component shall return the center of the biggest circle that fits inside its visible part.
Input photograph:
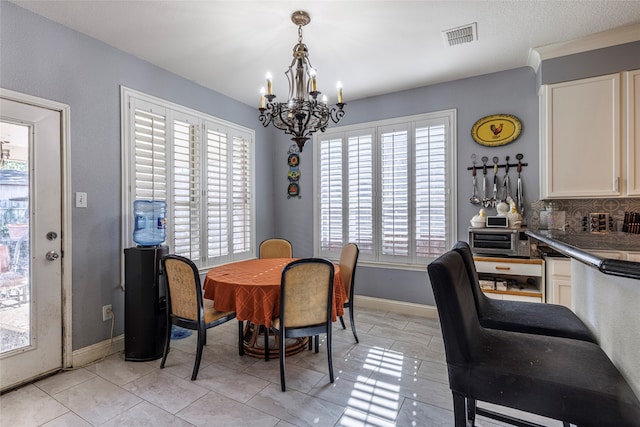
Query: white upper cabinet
(632, 131)
(581, 144)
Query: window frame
(343, 133)
(204, 123)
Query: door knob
(52, 255)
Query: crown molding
(613, 37)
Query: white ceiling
(372, 47)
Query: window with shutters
(386, 187)
(201, 166)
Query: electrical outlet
(107, 312)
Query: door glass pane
(14, 237)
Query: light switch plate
(81, 199)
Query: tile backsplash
(577, 209)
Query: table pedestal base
(253, 342)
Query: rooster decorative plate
(496, 130)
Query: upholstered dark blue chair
(518, 316)
(560, 378)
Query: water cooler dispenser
(145, 307)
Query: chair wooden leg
(353, 324)
(167, 342)
(342, 322)
(240, 337)
(201, 340)
(310, 343)
(329, 352)
(282, 351)
(459, 415)
(317, 337)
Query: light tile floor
(395, 376)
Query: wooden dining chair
(348, 261)
(275, 248)
(186, 307)
(306, 295)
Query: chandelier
(303, 113)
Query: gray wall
(44, 59)
(510, 92)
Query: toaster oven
(499, 242)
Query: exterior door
(31, 333)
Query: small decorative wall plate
(496, 130)
(293, 190)
(293, 159)
(293, 175)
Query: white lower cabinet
(559, 281)
(558, 274)
(512, 278)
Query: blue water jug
(150, 222)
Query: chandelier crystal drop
(303, 113)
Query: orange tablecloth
(252, 289)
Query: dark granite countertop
(577, 245)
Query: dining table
(251, 288)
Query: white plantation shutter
(386, 188)
(331, 200)
(394, 161)
(430, 190)
(150, 154)
(360, 192)
(201, 166)
(185, 209)
(217, 200)
(241, 193)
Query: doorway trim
(65, 183)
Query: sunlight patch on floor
(374, 402)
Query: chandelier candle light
(303, 114)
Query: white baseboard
(97, 351)
(396, 306)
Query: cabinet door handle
(617, 185)
(503, 268)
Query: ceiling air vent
(460, 35)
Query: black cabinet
(145, 307)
